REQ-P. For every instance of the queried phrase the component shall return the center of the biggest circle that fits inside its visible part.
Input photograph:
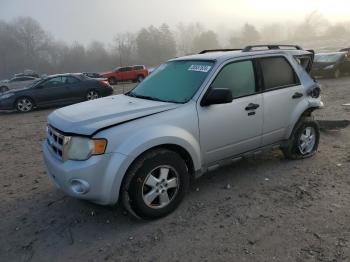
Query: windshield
(331, 58)
(175, 81)
(35, 83)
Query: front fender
(150, 137)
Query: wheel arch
(306, 113)
(23, 96)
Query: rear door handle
(297, 95)
(252, 106)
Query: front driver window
(239, 77)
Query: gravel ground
(259, 209)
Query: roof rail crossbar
(218, 50)
(250, 48)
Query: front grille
(56, 142)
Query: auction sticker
(199, 68)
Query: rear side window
(239, 77)
(71, 80)
(138, 67)
(277, 72)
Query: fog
(87, 35)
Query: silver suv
(191, 115)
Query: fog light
(79, 186)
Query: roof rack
(218, 50)
(250, 48)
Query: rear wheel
(92, 94)
(3, 89)
(24, 104)
(304, 140)
(156, 184)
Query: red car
(130, 73)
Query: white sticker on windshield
(199, 68)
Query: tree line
(24, 44)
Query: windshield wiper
(147, 97)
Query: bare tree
(206, 40)
(185, 35)
(125, 49)
(312, 26)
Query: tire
(92, 94)
(155, 184)
(304, 140)
(24, 104)
(112, 81)
(4, 89)
(336, 74)
(140, 79)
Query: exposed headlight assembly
(82, 148)
(315, 92)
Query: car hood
(87, 118)
(15, 90)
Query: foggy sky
(86, 20)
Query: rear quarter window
(277, 73)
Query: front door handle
(297, 95)
(252, 106)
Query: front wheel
(156, 184)
(92, 94)
(24, 104)
(304, 140)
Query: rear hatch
(306, 59)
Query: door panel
(227, 130)
(52, 91)
(230, 129)
(282, 92)
(278, 109)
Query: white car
(191, 115)
(17, 83)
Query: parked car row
(26, 91)
(59, 89)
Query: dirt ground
(261, 209)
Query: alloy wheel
(307, 140)
(160, 187)
(24, 104)
(91, 95)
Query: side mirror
(217, 96)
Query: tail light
(315, 92)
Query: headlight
(82, 148)
(6, 95)
(329, 67)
